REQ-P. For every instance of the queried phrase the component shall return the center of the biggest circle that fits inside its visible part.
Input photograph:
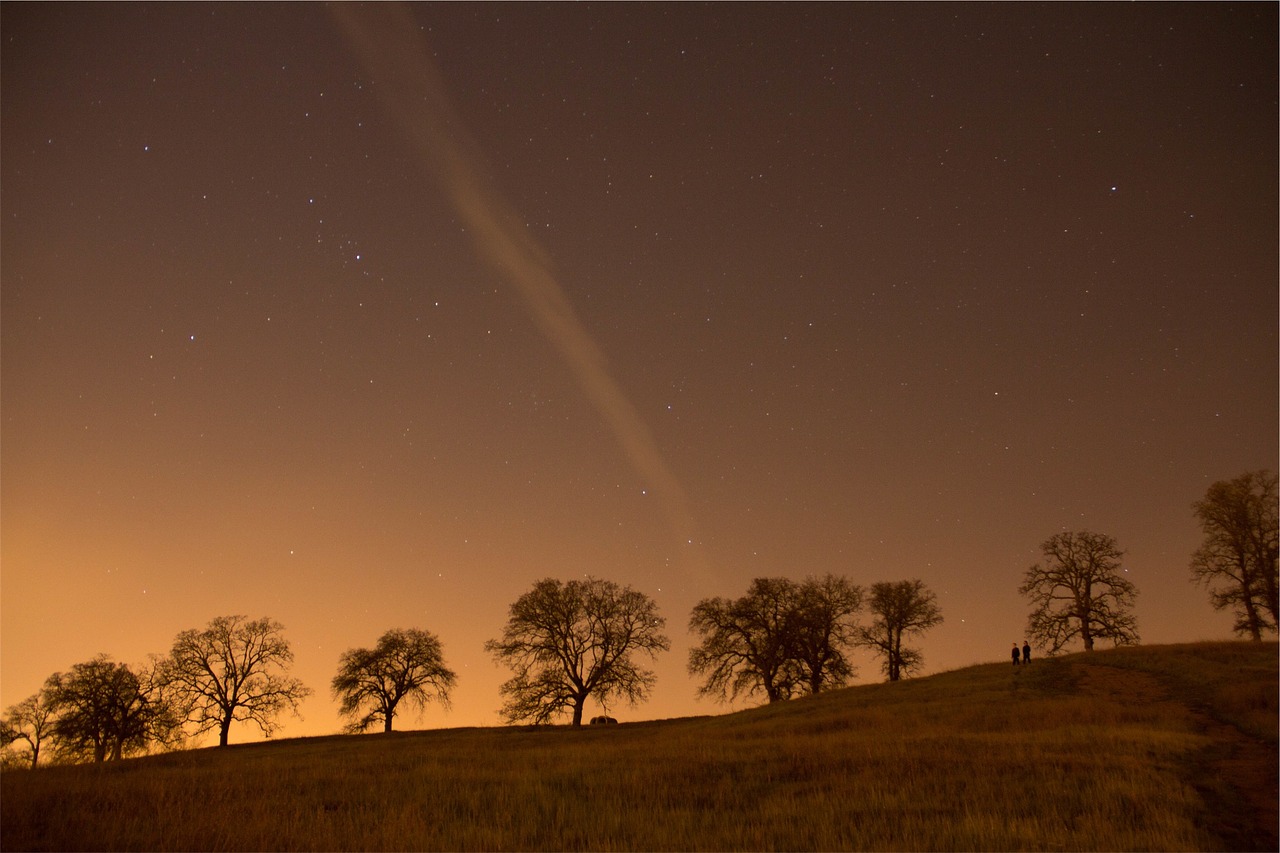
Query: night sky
(312, 314)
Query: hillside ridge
(1157, 747)
(1246, 764)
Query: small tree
(31, 721)
(567, 641)
(1080, 592)
(404, 665)
(899, 609)
(748, 645)
(1238, 560)
(234, 671)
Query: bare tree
(748, 645)
(404, 665)
(1080, 591)
(567, 641)
(1238, 560)
(30, 720)
(826, 630)
(105, 710)
(899, 609)
(234, 671)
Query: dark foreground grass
(1046, 757)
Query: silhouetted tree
(826, 630)
(234, 671)
(748, 645)
(103, 709)
(899, 609)
(781, 636)
(86, 703)
(567, 641)
(404, 665)
(31, 721)
(1080, 592)
(1237, 561)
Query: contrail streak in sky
(389, 44)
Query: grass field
(1146, 748)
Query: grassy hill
(1155, 747)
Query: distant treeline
(565, 642)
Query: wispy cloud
(389, 44)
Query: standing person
(1015, 654)
(1026, 652)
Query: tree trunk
(224, 730)
(577, 709)
(1251, 614)
(387, 722)
(1267, 565)
(1250, 608)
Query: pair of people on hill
(1026, 653)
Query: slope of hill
(1157, 747)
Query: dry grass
(1044, 757)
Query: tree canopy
(1238, 559)
(1080, 592)
(30, 721)
(826, 630)
(104, 710)
(899, 609)
(747, 643)
(404, 665)
(566, 641)
(780, 637)
(234, 670)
